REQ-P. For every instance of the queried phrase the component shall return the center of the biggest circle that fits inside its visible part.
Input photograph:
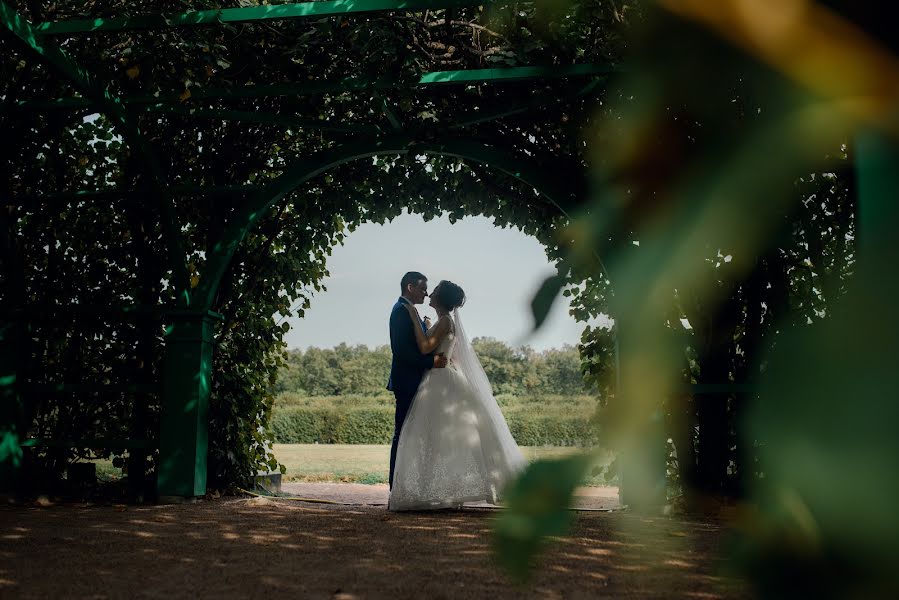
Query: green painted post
(14, 354)
(11, 410)
(184, 426)
(247, 14)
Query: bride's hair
(450, 295)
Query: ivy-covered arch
(485, 121)
(563, 190)
(183, 445)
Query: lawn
(358, 463)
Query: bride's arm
(427, 343)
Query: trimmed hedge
(301, 425)
(542, 430)
(313, 425)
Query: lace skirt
(455, 447)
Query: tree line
(360, 370)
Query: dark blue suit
(406, 370)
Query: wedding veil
(467, 361)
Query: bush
(302, 425)
(533, 430)
(368, 424)
(351, 401)
(538, 403)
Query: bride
(455, 446)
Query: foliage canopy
(111, 248)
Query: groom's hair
(410, 277)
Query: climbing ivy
(110, 249)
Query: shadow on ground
(590, 498)
(267, 548)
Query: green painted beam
(88, 443)
(38, 312)
(249, 14)
(90, 195)
(213, 190)
(90, 388)
(472, 76)
(352, 84)
(562, 189)
(70, 103)
(246, 116)
(474, 117)
(306, 88)
(61, 63)
(113, 108)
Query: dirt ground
(263, 548)
(597, 498)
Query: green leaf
(537, 508)
(545, 297)
(10, 451)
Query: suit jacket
(409, 364)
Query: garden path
(596, 498)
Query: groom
(409, 365)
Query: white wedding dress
(455, 446)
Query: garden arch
(188, 353)
(189, 344)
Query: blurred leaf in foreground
(827, 524)
(537, 508)
(545, 297)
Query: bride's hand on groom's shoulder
(417, 317)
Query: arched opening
(559, 186)
(537, 212)
(502, 267)
(339, 357)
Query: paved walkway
(590, 498)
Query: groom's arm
(403, 341)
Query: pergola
(185, 386)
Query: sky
(499, 269)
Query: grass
(105, 470)
(358, 463)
